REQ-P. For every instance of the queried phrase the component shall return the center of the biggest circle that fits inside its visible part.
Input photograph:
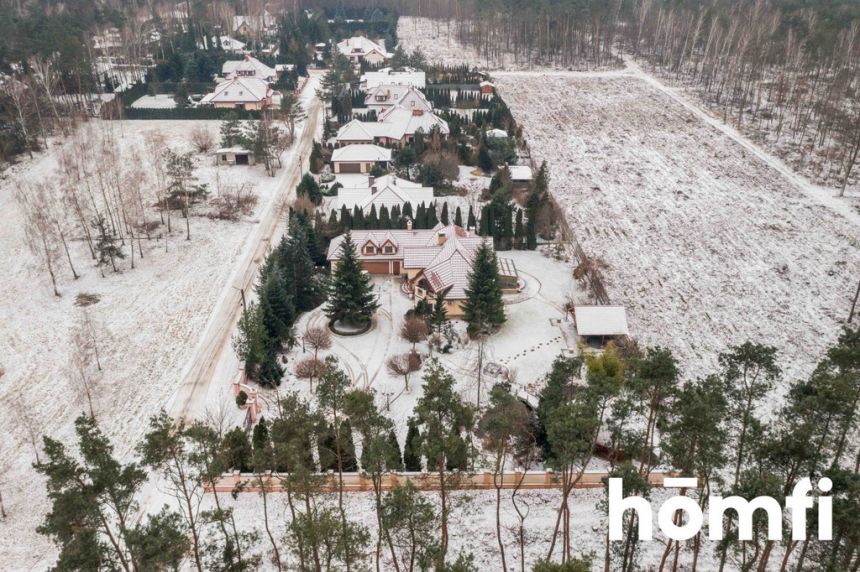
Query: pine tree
(439, 317)
(372, 222)
(407, 211)
(298, 271)
(444, 216)
(231, 131)
(486, 225)
(485, 162)
(411, 452)
(271, 371)
(384, 218)
(471, 223)
(107, 247)
(251, 341)
(507, 232)
(347, 448)
(531, 237)
(432, 218)
(394, 462)
(458, 217)
(352, 300)
(519, 232)
(420, 217)
(260, 437)
(357, 218)
(277, 308)
(484, 308)
(345, 218)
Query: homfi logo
(799, 502)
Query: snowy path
(188, 401)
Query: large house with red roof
(429, 260)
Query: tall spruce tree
(458, 217)
(351, 299)
(471, 222)
(519, 231)
(411, 451)
(484, 308)
(444, 219)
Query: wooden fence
(361, 482)
(595, 282)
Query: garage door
(376, 266)
(350, 167)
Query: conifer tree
(519, 231)
(420, 217)
(298, 271)
(357, 219)
(471, 223)
(411, 451)
(407, 211)
(439, 317)
(372, 222)
(506, 239)
(345, 221)
(351, 299)
(444, 418)
(394, 461)
(484, 309)
(432, 218)
(277, 308)
(444, 216)
(458, 217)
(384, 218)
(251, 341)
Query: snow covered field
(147, 320)
(707, 241)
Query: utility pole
(242, 292)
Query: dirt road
(186, 402)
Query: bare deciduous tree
(404, 364)
(39, 230)
(414, 330)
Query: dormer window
(369, 249)
(388, 249)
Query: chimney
(409, 224)
(417, 112)
(441, 237)
(373, 190)
(394, 180)
(371, 180)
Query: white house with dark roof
(360, 48)
(360, 158)
(432, 261)
(388, 191)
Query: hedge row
(188, 113)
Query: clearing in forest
(704, 242)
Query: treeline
(634, 407)
(785, 71)
(288, 285)
(298, 440)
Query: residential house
(397, 126)
(359, 158)
(433, 261)
(390, 76)
(388, 191)
(249, 66)
(383, 97)
(240, 92)
(360, 48)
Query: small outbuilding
(597, 325)
(233, 156)
(520, 173)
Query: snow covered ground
(707, 240)
(535, 332)
(147, 320)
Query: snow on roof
(496, 133)
(600, 320)
(387, 193)
(395, 123)
(389, 76)
(236, 150)
(361, 152)
(520, 172)
(360, 46)
(446, 266)
(249, 65)
(239, 90)
(228, 44)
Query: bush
(202, 139)
(242, 399)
